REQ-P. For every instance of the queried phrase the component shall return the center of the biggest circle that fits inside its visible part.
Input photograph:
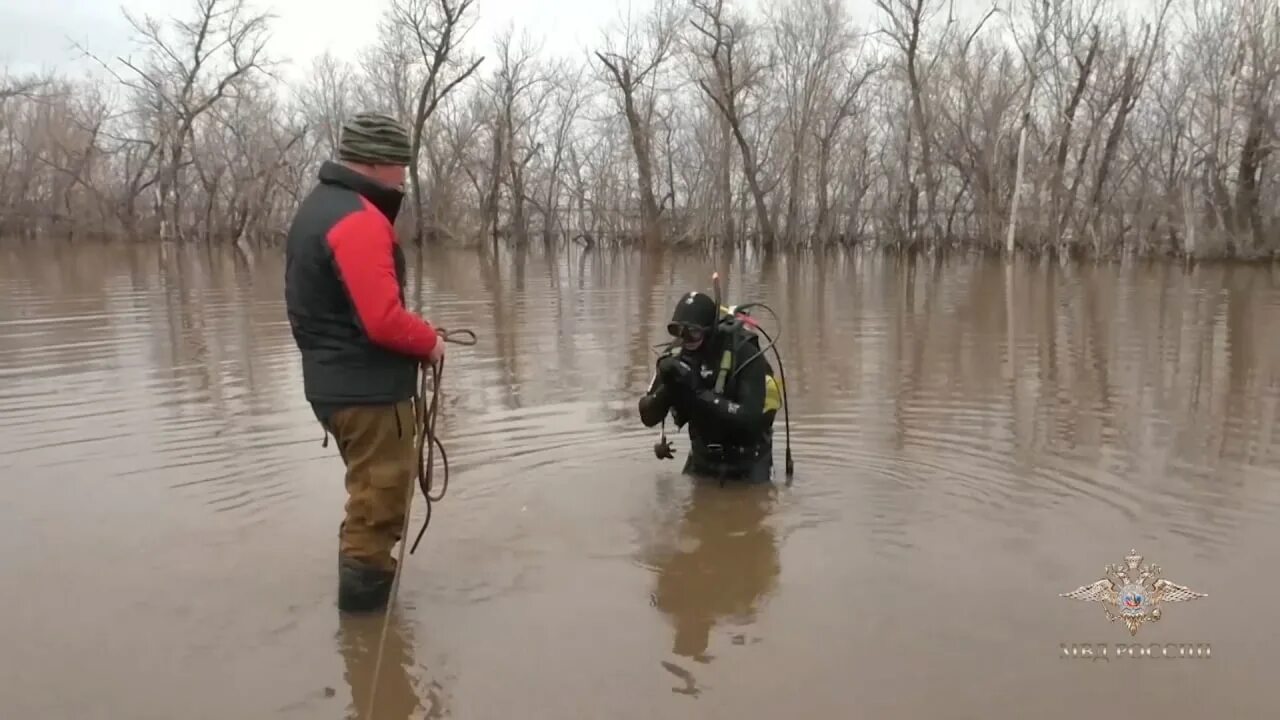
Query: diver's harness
(737, 318)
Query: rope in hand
(426, 430)
(424, 421)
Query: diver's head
(693, 320)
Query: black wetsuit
(730, 432)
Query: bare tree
(185, 76)
(328, 98)
(19, 87)
(519, 94)
(1259, 66)
(633, 70)
(735, 77)
(1090, 127)
(906, 20)
(435, 28)
(568, 97)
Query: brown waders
(378, 446)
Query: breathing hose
(772, 344)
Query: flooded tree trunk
(734, 77)
(432, 26)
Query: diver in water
(716, 380)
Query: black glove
(678, 371)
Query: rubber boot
(362, 587)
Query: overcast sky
(37, 34)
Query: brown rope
(428, 442)
(425, 427)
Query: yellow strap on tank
(726, 363)
(772, 393)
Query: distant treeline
(1152, 132)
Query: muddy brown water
(970, 441)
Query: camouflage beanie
(374, 139)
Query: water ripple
(944, 421)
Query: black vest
(340, 366)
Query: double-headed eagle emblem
(1133, 593)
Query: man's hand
(437, 353)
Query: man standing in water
(718, 381)
(360, 346)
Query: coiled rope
(424, 420)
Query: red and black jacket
(344, 293)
